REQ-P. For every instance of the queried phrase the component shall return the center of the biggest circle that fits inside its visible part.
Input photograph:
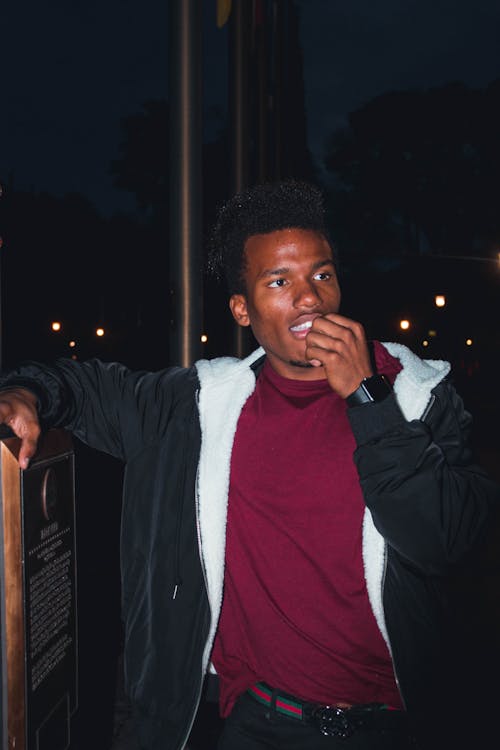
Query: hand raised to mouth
(339, 345)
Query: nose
(307, 295)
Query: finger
(343, 321)
(321, 356)
(29, 432)
(344, 329)
(26, 452)
(329, 327)
(323, 342)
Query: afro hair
(261, 209)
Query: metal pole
(1, 293)
(239, 34)
(184, 51)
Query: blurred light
(204, 338)
(72, 344)
(468, 342)
(55, 325)
(404, 324)
(440, 300)
(432, 333)
(73, 356)
(425, 342)
(99, 331)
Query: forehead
(294, 245)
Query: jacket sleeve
(107, 406)
(427, 497)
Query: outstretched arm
(104, 404)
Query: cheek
(263, 323)
(268, 315)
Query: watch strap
(370, 390)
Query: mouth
(302, 327)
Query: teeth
(302, 326)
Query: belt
(333, 721)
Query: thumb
(26, 451)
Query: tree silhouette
(416, 171)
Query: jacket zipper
(177, 571)
(428, 408)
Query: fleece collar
(225, 385)
(414, 383)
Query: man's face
(290, 280)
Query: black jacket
(427, 510)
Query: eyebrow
(268, 272)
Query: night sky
(72, 71)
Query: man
(293, 519)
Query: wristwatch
(374, 388)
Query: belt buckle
(333, 721)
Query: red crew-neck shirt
(296, 612)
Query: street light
(55, 325)
(440, 300)
(404, 324)
(99, 332)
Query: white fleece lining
(225, 385)
(374, 553)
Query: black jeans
(251, 726)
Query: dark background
(392, 107)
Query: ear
(238, 307)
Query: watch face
(377, 387)
(49, 494)
(374, 388)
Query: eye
(323, 276)
(277, 283)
